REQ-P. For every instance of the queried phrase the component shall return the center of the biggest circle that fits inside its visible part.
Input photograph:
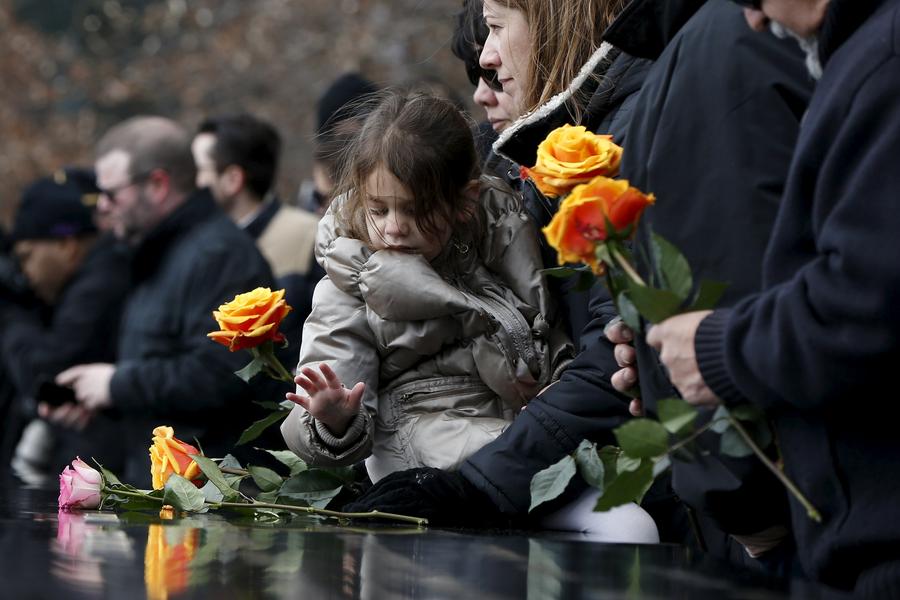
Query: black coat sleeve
(581, 405)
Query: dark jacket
(81, 328)
(168, 372)
(712, 138)
(819, 347)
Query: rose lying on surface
(169, 455)
(79, 486)
(570, 156)
(251, 319)
(581, 221)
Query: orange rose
(170, 455)
(571, 156)
(580, 222)
(251, 319)
(167, 559)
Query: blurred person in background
(337, 112)
(80, 278)
(189, 258)
(237, 160)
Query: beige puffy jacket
(450, 351)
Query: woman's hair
(564, 35)
(427, 144)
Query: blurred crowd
(767, 129)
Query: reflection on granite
(135, 555)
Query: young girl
(433, 302)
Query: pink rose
(79, 486)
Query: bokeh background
(72, 68)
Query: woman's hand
(328, 400)
(626, 378)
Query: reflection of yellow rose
(170, 455)
(570, 156)
(167, 561)
(251, 319)
(580, 222)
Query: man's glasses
(754, 4)
(112, 192)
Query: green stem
(784, 479)
(232, 471)
(692, 437)
(278, 371)
(375, 514)
(626, 265)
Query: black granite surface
(46, 554)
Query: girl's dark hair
(427, 144)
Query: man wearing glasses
(817, 349)
(188, 259)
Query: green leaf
(661, 465)
(551, 482)
(721, 420)
(231, 462)
(628, 311)
(212, 493)
(609, 456)
(585, 282)
(289, 459)
(642, 438)
(625, 463)
(109, 477)
(215, 477)
(252, 369)
(315, 487)
(708, 294)
(653, 304)
(673, 266)
(590, 467)
(183, 495)
(255, 430)
(266, 479)
(747, 412)
(732, 444)
(675, 414)
(629, 486)
(271, 496)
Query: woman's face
(499, 106)
(507, 49)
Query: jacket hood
(520, 140)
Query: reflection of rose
(170, 455)
(581, 219)
(570, 156)
(70, 532)
(251, 319)
(167, 560)
(79, 486)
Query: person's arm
(198, 375)
(336, 333)
(829, 332)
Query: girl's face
(507, 49)
(391, 218)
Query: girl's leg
(624, 524)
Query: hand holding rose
(674, 340)
(329, 401)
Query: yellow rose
(251, 319)
(580, 222)
(170, 455)
(572, 155)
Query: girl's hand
(328, 401)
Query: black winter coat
(168, 372)
(716, 156)
(819, 347)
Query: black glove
(445, 498)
